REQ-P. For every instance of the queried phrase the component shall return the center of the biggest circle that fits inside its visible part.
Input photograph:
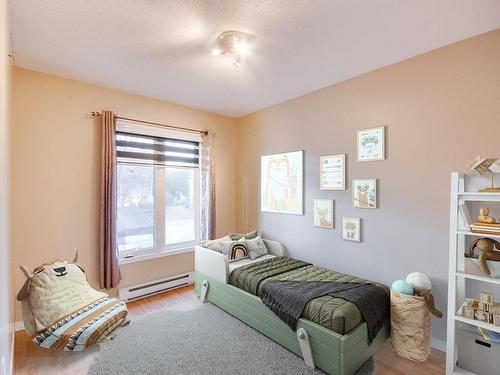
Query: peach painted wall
(55, 153)
(6, 316)
(441, 109)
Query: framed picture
(364, 193)
(323, 213)
(371, 144)
(332, 172)
(351, 229)
(281, 179)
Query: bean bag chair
(61, 311)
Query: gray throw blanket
(287, 300)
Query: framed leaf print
(371, 144)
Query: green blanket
(250, 277)
(333, 313)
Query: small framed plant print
(323, 213)
(351, 229)
(332, 172)
(364, 193)
(371, 144)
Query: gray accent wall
(441, 109)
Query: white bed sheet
(244, 262)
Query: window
(158, 190)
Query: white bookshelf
(457, 277)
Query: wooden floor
(31, 359)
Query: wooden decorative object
(490, 189)
(486, 298)
(484, 216)
(487, 248)
(481, 166)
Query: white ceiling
(161, 48)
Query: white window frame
(160, 248)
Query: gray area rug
(205, 341)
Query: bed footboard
(211, 263)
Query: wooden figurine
(482, 316)
(496, 320)
(486, 298)
(469, 312)
(487, 248)
(484, 216)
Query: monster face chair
(62, 311)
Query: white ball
(419, 281)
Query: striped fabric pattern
(84, 327)
(145, 149)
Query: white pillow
(256, 247)
(234, 250)
(215, 244)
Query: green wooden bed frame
(333, 353)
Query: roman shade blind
(156, 150)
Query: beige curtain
(207, 187)
(109, 274)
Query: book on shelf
(485, 228)
(486, 225)
(466, 218)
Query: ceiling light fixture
(234, 43)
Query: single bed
(331, 333)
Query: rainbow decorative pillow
(234, 250)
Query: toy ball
(402, 286)
(419, 281)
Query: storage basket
(410, 326)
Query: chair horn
(27, 273)
(75, 259)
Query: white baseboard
(438, 344)
(19, 326)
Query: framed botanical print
(351, 229)
(281, 177)
(323, 213)
(371, 144)
(364, 193)
(332, 172)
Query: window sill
(160, 254)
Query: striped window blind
(153, 150)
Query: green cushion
(247, 236)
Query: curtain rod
(97, 114)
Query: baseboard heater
(154, 287)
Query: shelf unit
(457, 276)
